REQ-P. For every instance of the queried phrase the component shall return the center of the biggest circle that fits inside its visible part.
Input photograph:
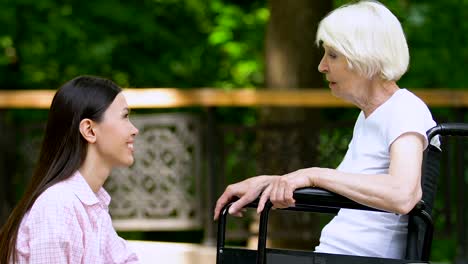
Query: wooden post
(6, 162)
(211, 150)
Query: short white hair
(369, 36)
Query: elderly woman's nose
(323, 67)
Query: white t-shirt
(378, 234)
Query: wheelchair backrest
(419, 238)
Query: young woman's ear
(86, 130)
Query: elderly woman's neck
(377, 93)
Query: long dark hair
(63, 148)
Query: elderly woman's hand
(247, 191)
(280, 191)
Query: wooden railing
(208, 97)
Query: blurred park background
(224, 45)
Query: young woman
(63, 216)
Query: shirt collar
(84, 192)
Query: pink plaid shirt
(69, 223)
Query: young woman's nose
(135, 130)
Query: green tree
(151, 43)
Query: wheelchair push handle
(448, 129)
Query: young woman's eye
(332, 55)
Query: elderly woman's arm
(398, 191)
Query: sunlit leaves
(239, 35)
(9, 52)
(220, 36)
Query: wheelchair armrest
(316, 198)
(320, 200)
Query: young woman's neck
(94, 173)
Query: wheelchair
(420, 223)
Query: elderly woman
(365, 54)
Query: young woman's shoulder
(59, 194)
(56, 208)
(56, 202)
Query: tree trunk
(291, 54)
(288, 140)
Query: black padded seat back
(429, 180)
(430, 176)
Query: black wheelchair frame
(420, 223)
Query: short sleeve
(410, 116)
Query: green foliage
(443, 250)
(186, 43)
(437, 37)
(150, 43)
(332, 146)
(239, 36)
